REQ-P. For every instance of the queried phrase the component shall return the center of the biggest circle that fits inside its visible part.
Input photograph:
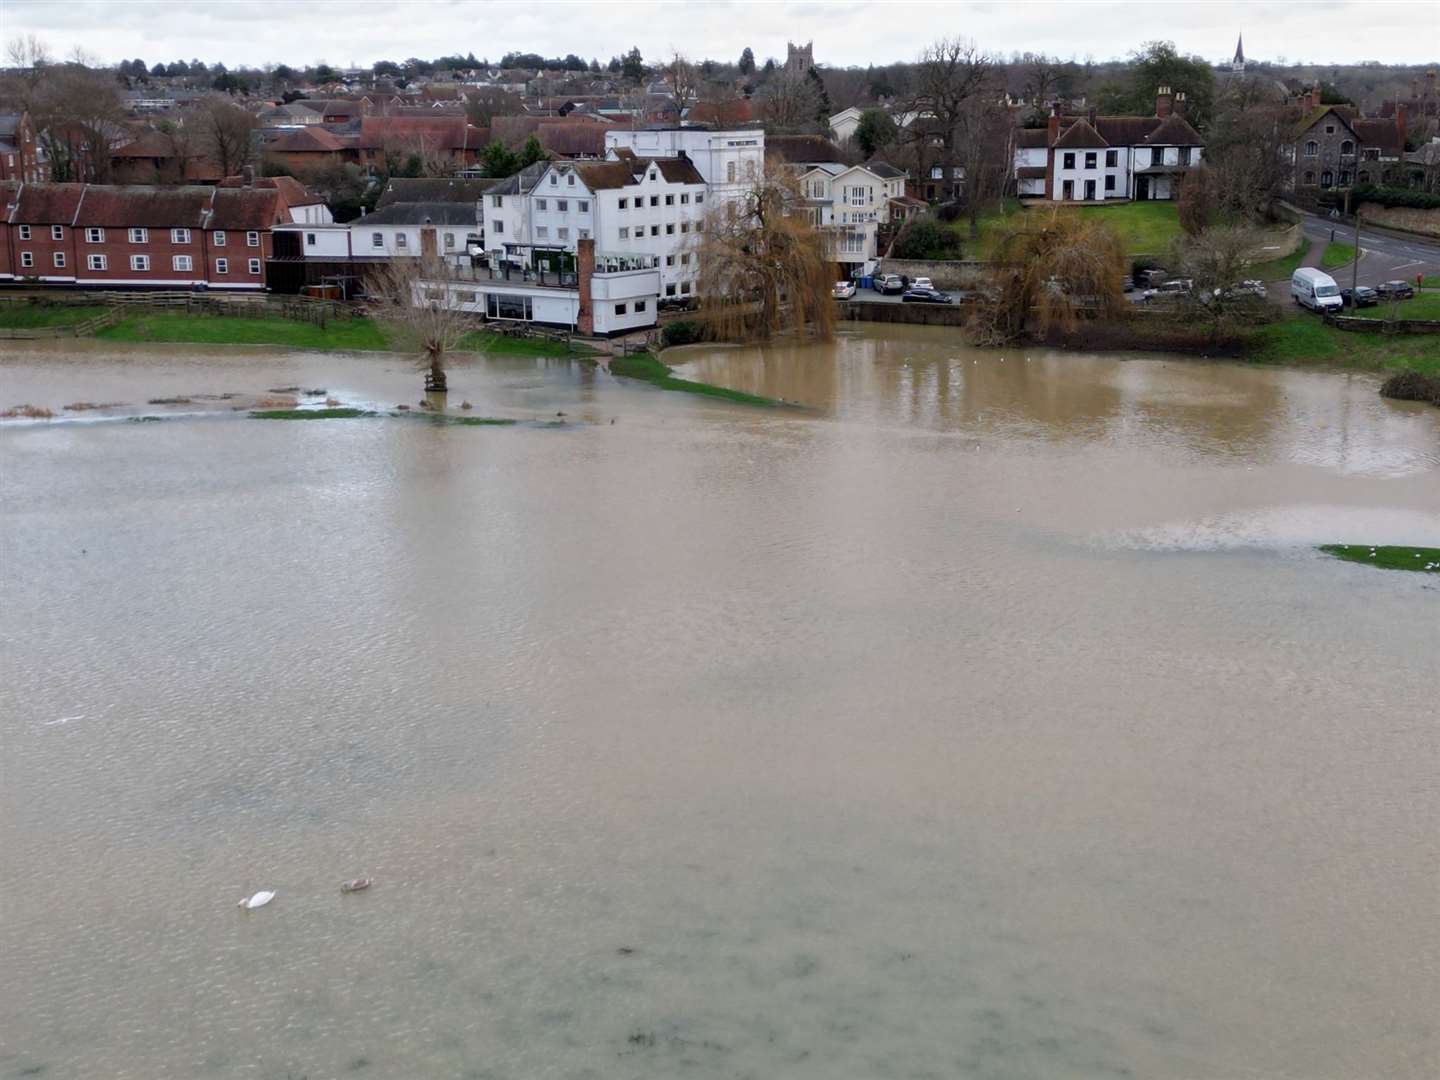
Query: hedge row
(1382, 196)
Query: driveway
(1388, 255)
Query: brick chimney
(1163, 102)
(585, 265)
(1091, 117)
(1052, 136)
(1180, 103)
(1315, 96)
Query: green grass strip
(1281, 269)
(1337, 255)
(1423, 560)
(492, 344)
(308, 414)
(337, 334)
(23, 316)
(648, 368)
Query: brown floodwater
(992, 717)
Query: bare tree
(984, 143)
(1245, 147)
(418, 303)
(488, 102)
(1217, 261)
(763, 266)
(950, 73)
(1044, 76)
(684, 79)
(223, 132)
(790, 102)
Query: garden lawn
(29, 316)
(1337, 255)
(1144, 228)
(1424, 305)
(347, 334)
(1305, 339)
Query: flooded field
(990, 717)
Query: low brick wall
(1408, 218)
(946, 275)
(918, 314)
(1382, 326)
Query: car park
(925, 296)
(1395, 290)
(1360, 296)
(843, 290)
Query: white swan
(259, 900)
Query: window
(1309, 178)
(1109, 183)
(541, 204)
(1090, 159)
(684, 226)
(669, 260)
(1312, 148)
(1184, 155)
(554, 179)
(654, 230)
(139, 236)
(24, 232)
(654, 200)
(179, 236)
(685, 259)
(181, 262)
(583, 206)
(402, 239)
(1347, 147)
(254, 266)
(97, 262)
(1364, 177)
(59, 258)
(1329, 129)
(584, 234)
(222, 266)
(730, 172)
(619, 309)
(542, 231)
(94, 236)
(684, 286)
(507, 306)
(377, 240)
(27, 258)
(499, 227)
(699, 197)
(563, 205)
(639, 306)
(684, 198)
(624, 232)
(570, 179)
(139, 262)
(669, 230)
(669, 290)
(1344, 178)
(449, 239)
(497, 201)
(1069, 162)
(1112, 158)
(1327, 179)
(669, 200)
(1372, 153)
(563, 232)
(219, 237)
(252, 239)
(57, 232)
(624, 203)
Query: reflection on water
(988, 720)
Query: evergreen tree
(496, 160)
(531, 152)
(747, 61)
(634, 66)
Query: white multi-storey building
(851, 202)
(727, 161)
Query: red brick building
(136, 236)
(19, 152)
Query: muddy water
(986, 720)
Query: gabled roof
(1126, 130)
(884, 170)
(244, 209)
(800, 149)
(146, 144)
(441, 132)
(522, 183)
(1032, 138)
(679, 171)
(144, 206)
(309, 140)
(1174, 131)
(829, 168)
(47, 204)
(1382, 133)
(1081, 136)
(426, 190)
(423, 213)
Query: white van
(1315, 289)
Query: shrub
(926, 238)
(1412, 386)
(1383, 196)
(683, 332)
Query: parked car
(889, 283)
(1151, 278)
(1315, 290)
(1242, 289)
(922, 283)
(1174, 288)
(843, 290)
(915, 295)
(1360, 296)
(1127, 283)
(1395, 290)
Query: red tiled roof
(146, 144)
(246, 208)
(144, 206)
(1174, 131)
(1081, 136)
(308, 140)
(292, 191)
(1032, 138)
(443, 132)
(47, 204)
(1382, 133)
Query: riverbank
(651, 369)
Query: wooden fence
(1384, 326)
(77, 329)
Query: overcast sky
(845, 32)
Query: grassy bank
(30, 316)
(1424, 305)
(1337, 255)
(1304, 339)
(1144, 228)
(648, 368)
(1281, 269)
(346, 334)
(1422, 560)
(483, 341)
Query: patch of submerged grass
(84, 406)
(1424, 560)
(479, 421)
(649, 368)
(308, 414)
(29, 412)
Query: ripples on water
(990, 720)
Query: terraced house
(1102, 158)
(1336, 148)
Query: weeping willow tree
(421, 311)
(764, 267)
(1065, 268)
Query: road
(1388, 255)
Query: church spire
(1238, 64)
